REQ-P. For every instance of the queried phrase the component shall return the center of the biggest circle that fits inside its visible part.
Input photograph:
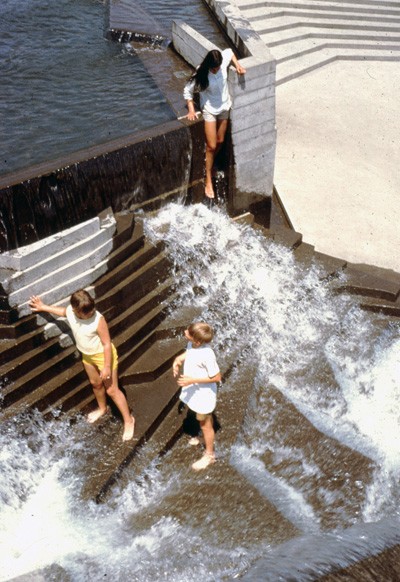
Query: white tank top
(85, 332)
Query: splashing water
(329, 362)
(315, 440)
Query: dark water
(64, 87)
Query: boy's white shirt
(200, 363)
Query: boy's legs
(207, 429)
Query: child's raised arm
(36, 304)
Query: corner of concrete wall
(253, 124)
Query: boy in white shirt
(199, 384)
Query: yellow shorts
(97, 360)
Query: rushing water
(317, 366)
(64, 87)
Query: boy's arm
(177, 363)
(36, 304)
(187, 380)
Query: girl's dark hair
(82, 302)
(212, 60)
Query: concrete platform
(336, 170)
(338, 123)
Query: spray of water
(337, 365)
(317, 363)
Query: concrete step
(64, 280)
(300, 48)
(361, 6)
(302, 65)
(60, 378)
(364, 282)
(281, 235)
(152, 404)
(14, 368)
(58, 263)
(155, 361)
(263, 22)
(304, 254)
(325, 457)
(308, 33)
(28, 256)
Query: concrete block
(65, 340)
(247, 140)
(259, 133)
(253, 98)
(61, 276)
(256, 175)
(81, 280)
(53, 263)
(255, 68)
(27, 256)
(239, 29)
(51, 330)
(242, 118)
(239, 84)
(252, 151)
(190, 44)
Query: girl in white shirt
(99, 356)
(211, 81)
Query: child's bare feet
(96, 414)
(129, 429)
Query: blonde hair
(82, 302)
(201, 332)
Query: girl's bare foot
(209, 191)
(129, 429)
(96, 414)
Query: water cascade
(306, 482)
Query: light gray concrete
(28, 256)
(58, 274)
(337, 160)
(338, 123)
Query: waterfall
(317, 443)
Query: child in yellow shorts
(99, 356)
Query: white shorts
(207, 116)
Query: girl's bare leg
(210, 129)
(99, 392)
(110, 387)
(215, 135)
(120, 401)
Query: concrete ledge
(190, 44)
(29, 255)
(53, 262)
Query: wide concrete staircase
(41, 369)
(309, 34)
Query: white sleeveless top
(85, 332)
